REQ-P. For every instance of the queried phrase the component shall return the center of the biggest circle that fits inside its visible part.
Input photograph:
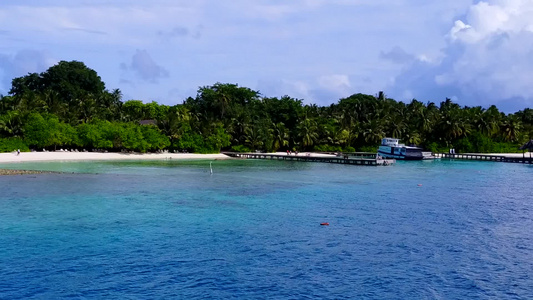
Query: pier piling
(343, 159)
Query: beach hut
(528, 146)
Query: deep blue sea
(251, 230)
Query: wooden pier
(371, 155)
(342, 159)
(486, 157)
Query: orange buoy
(324, 224)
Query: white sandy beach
(87, 156)
(12, 157)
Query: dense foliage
(68, 107)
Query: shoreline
(59, 156)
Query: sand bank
(87, 156)
(21, 172)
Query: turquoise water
(170, 230)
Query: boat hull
(403, 153)
(403, 157)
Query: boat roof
(412, 147)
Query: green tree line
(68, 106)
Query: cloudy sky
(475, 52)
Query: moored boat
(391, 148)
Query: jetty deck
(487, 157)
(354, 154)
(303, 157)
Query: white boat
(391, 148)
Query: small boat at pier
(391, 148)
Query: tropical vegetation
(68, 106)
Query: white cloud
(459, 29)
(278, 88)
(334, 82)
(316, 50)
(145, 67)
(488, 59)
(485, 19)
(497, 42)
(398, 55)
(22, 63)
(322, 90)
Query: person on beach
(18, 151)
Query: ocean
(252, 230)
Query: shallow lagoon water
(169, 229)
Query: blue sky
(475, 52)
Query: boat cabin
(391, 142)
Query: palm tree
(413, 138)
(280, 136)
(253, 138)
(397, 125)
(307, 133)
(53, 103)
(237, 128)
(11, 123)
(7, 103)
(176, 122)
(492, 118)
(353, 134)
(421, 116)
(451, 127)
(510, 128)
(108, 105)
(453, 123)
(86, 108)
(373, 131)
